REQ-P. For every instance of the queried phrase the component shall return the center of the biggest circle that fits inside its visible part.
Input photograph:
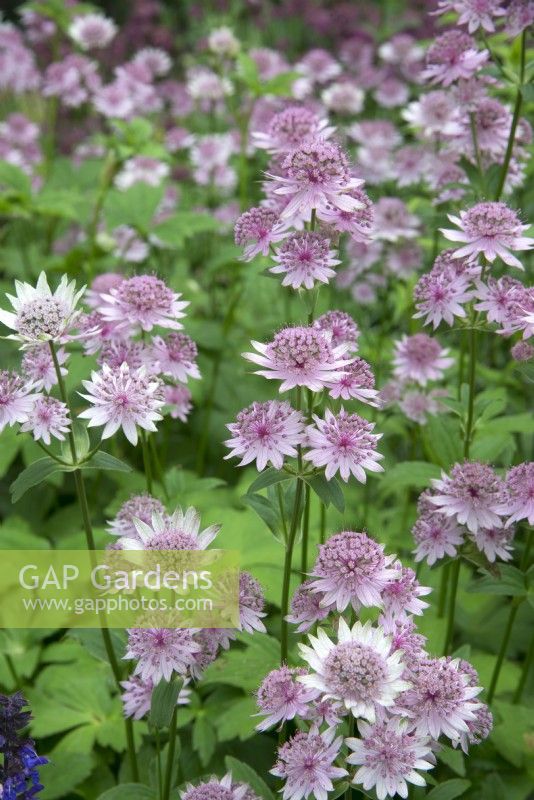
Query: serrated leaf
(204, 739)
(33, 475)
(510, 581)
(243, 773)
(329, 492)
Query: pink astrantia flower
(341, 327)
(441, 700)
(154, 59)
(16, 398)
(352, 569)
(178, 401)
(216, 789)
(500, 299)
(142, 302)
(436, 115)
(404, 637)
(138, 506)
(302, 356)
(522, 351)
(307, 607)
(304, 258)
(289, 128)
(400, 595)
(495, 542)
(141, 169)
(176, 356)
(100, 286)
(123, 398)
(359, 223)
(48, 418)
(420, 358)
(356, 381)
(473, 13)
(92, 31)
(316, 175)
(493, 122)
(473, 494)
(519, 15)
(177, 531)
(492, 229)
(115, 352)
(479, 728)
(518, 497)
(137, 696)
(256, 230)
(38, 366)
(453, 56)
(73, 80)
(435, 534)
(251, 604)
(440, 294)
(388, 755)
(393, 221)
(40, 314)
(343, 97)
(161, 651)
(306, 764)
(419, 405)
(265, 432)
(343, 443)
(282, 697)
(358, 671)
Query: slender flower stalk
(514, 608)
(515, 119)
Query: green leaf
(246, 668)
(129, 791)
(409, 474)
(136, 206)
(11, 443)
(163, 703)
(449, 789)
(329, 492)
(454, 759)
(242, 773)
(280, 84)
(265, 510)
(34, 474)
(14, 178)
(204, 739)
(237, 720)
(269, 477)
(248, 71)
(58, 780)
(102, 460)
(442, 440)
(511, 582)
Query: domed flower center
(355, 671)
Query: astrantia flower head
(304, 258)
(343, 443)
(306, 764)
(251, 604)
(73, 80)
(161, 651)
(420, 358)
(289, 128)
(302, 356)
(265, 432)
(215, 789)
(404, 637)
(500, 298)
(359, 223)
(16, 398)
(479, 728)
(518, 496)
(38, 366)
(177, 531)
(358, 670)
(154, 59)
(92, 31)
(282, 697)
(522, 351)
(492, 229)
(419, 405)
(142, 302)
(442, 699)
(473, 13)
(495, 542)
(115, 352)
(389, 754)
(256, 230)
(223, 42)
(352, 569)
(356, 381)
(123, 398)
(519, 15)
(137, 696)
(178, 401)
(440, 295)
(317, 174)
(435, 535)
(452, 56)
(40, 314)
(138, 506)
(307, 607)
(393, 220)
(493, 121)
(340, 325)
(436, 115)
(176, 356)
(48, 418)
(141, 169)
(472, 494)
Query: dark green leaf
(265, 510)
(329, 492)
(129, 791)
(33, 475)
(204, 739)
(242, 773)
(163, 703)
(449, 789)
(511, 581)
(102, 460)
(267, 478)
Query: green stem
(524, 673)
(287, 571)
(305, 533)
(280, 496)
(322, 532)
(146, 462)
(516, 602)
(157, 465)
(167, 786)
(515, 119)
(526, 552)
(449, 636)
(442, 600)
(472, 382)
(158, 760)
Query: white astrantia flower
(40, 315)
(358, 670)
(178, 531)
